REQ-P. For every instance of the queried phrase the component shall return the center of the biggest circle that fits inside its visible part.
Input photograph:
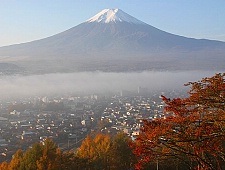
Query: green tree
(68, 161)
(45, 156)
(31, 156)
(121, 155)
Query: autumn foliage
(105, 152)
(100, 152)
(43, 156)
(192, 133)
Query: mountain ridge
(113, 15)
(112, 41)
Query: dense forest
(191, 135)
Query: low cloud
(94, 82)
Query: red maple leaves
(193, 130)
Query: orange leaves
(94, 148)
(16, 160)
(102, 144)
(4, 166)
(86, 150)
(105, 152)
(194, 129)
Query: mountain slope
(115, 41)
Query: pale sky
(28, 20)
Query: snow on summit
(114, 15)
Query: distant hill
(7, 68)
(113, 40)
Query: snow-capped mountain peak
(113, 15)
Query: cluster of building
(127, 114)
(68, 120)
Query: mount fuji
(112, 40)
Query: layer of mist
(94, 82)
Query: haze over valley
(112, 84)
(102, 83)
(110, 52)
